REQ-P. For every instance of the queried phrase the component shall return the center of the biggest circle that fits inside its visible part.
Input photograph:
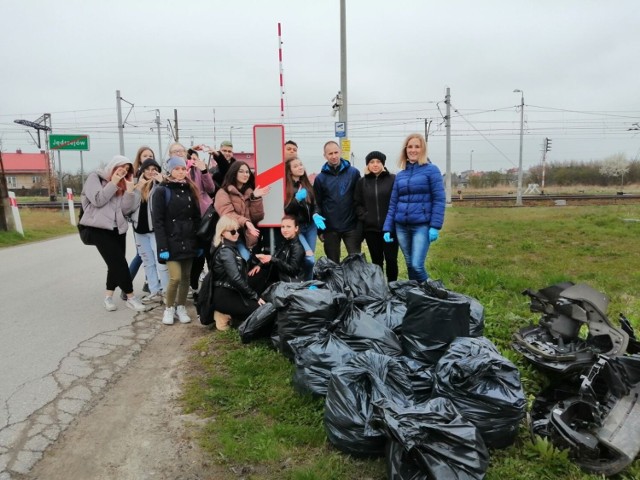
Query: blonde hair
(225, 223)
(402, 160)
(176, 144)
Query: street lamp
(471, 160)
(231, 133)
(519, 192)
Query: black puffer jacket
(176, 218)
(288, 261)
(371, 199)
(230, 270)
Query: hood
(116, 161)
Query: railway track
(468, 201)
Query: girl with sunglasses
(233, 298)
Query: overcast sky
(216, 62)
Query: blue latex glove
(387, 237)
(313, 287)
(301, 194)
(164, 255)
(319, 221)
(199, 252)
(433, 234)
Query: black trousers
(232, 302)
(352, 240)
(196, 270)
(112, 247)
(382, 252)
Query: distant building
(26, 171)
(248, 157)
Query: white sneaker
(182, 314)
(134, 304)
(109, 305)
(152, 298)
(167, 317)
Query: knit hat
(375, 154)
(149, 162)
(175, 162)
(226, 143)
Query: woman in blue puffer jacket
(416, 208)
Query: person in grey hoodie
(107, 196)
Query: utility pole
(519, 191)
(427, 127)
(159, 134)
(175, 123)
(343, 67)
(447, 101)
(120, 124)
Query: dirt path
(137, 430)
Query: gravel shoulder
(137, 429)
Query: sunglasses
(232, 232)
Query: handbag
(208, 225)
(85, 232)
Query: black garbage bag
(389, 311)
(484, 386)
(431, 441)
(304, 312)
(278, 292)
(315, 356)
(353, 387)
(361, 332)
(422, 378)
(436, 288)
(400, 288)
(259, 324)
(330, 273)
(204, 302)
(363, 278)
(431, 324)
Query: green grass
(38, 224)
(257, 421)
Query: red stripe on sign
(13, 202)
(270, 176)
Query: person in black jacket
(371, 197)
(176, 218)
(300, 202)
(334, 188)
(220, 162)
(286, 264)
(233, 298)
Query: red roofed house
(26, 170)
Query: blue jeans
(414, 243)
(135, 265)
(156, 272)
(308, 236)
(243, 250)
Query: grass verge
(260, 427)
(38, 224)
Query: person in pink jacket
(238, 199)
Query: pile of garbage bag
(590, 407)
(403, 367)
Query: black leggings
(112, 247)
(231, 302)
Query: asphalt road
(59, 347)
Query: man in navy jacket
(334, 189)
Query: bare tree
(615, 166)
